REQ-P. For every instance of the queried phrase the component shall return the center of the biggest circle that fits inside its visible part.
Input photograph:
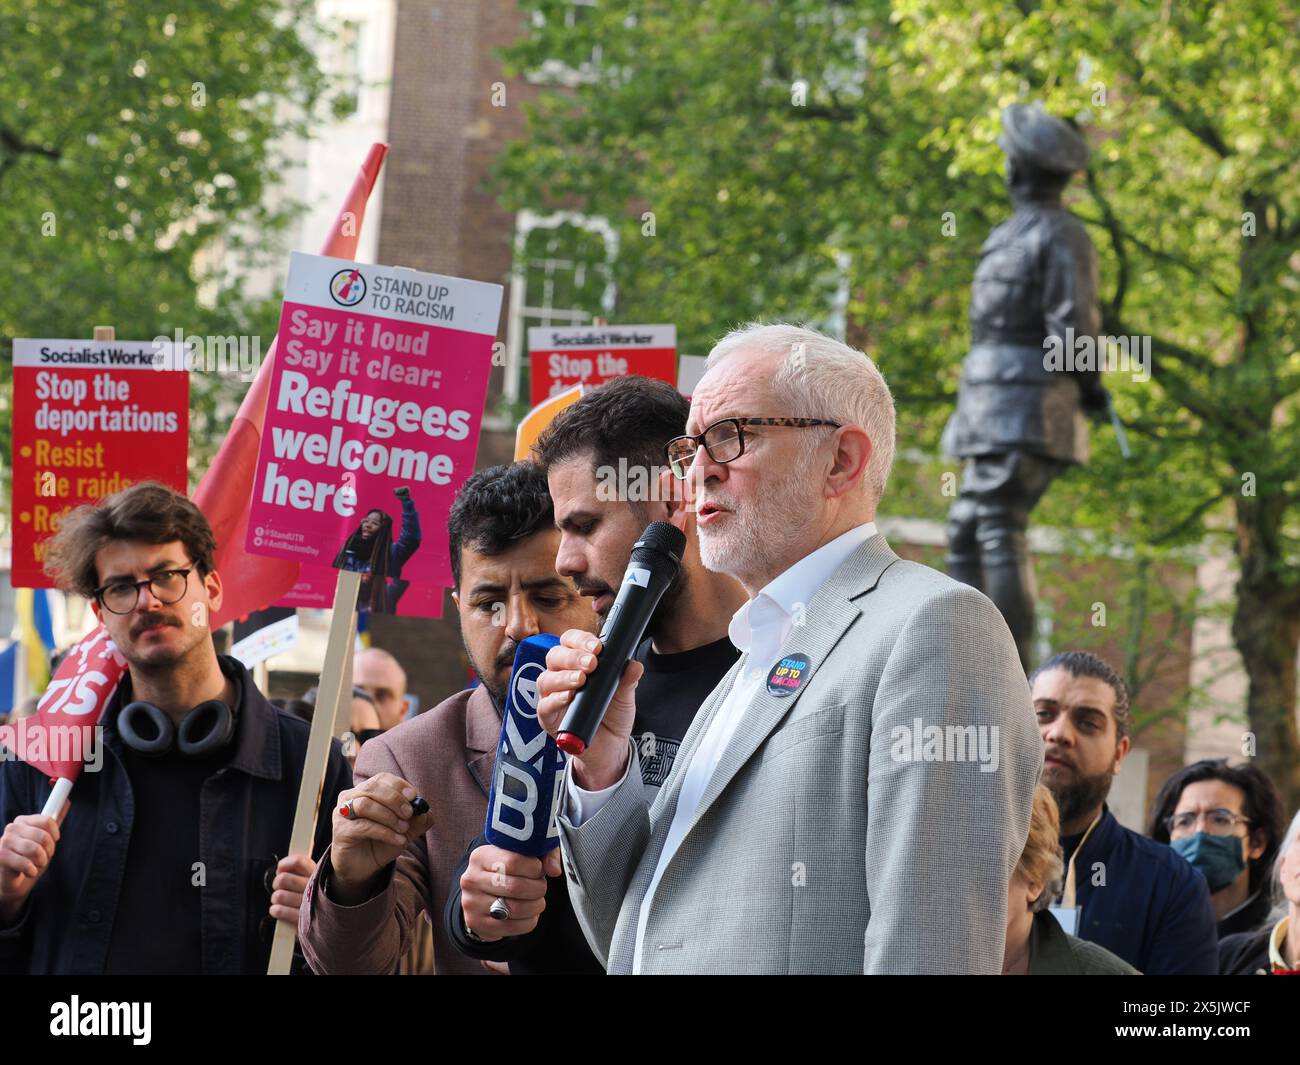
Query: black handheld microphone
(656, 558)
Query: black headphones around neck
(207, 728)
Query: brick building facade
(437, 215)
(452, 111)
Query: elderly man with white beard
(856, 792)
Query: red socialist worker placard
(560, 357)
(372, 422)
(90, 417)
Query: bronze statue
(1018, 423)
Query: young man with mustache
(604, 457)
(387, 866)
(1135, 897)
(165, 861)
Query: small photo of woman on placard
(370, 550)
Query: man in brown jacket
(384, 865)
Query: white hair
(1280, 902)
(820, 377)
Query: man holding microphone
(622, 425)
(389, 865)
(875, 737)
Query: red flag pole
(338, 646)
(63, 784)
(92, 669)
(225, 490)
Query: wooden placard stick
(338, 660)
(343, 712)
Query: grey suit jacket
(869, 821)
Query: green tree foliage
(800, 152)
(138, 142)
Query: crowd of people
(896, 811)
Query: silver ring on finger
(348, 810)
(499, 910)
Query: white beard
(761, 537)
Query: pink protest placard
(373, 421)
(315, 588)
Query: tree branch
(1160, 431)
(1195, 123)
(1174, 260)
(1185, 356)
(1212, 412)
(15, 145)
(1116, 231)
(12, 147)
(1194, 516)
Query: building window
(347, 64)
(569, 70)
(562, 275)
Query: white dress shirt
(758, 628)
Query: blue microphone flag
(529, 768)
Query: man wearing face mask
(387, 866)
(1124, 892)
(1227, 821)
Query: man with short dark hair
(1124, 892)
(604, 461)
(167, 860)
(386, 866)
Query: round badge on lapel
(788, 675)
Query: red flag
(80, 691)
(256, 581)
(57, 738)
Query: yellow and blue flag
(36, 633)
(8, 678)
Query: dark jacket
(247, 809)
(556, 947)
(1153, 909)
(1037, 278)
(446, 754)
(670, 692)
(1247, 917)
(1245, 954)
(1053, 952)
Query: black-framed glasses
(167, 586)
(1219, 822)
(725, 440)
